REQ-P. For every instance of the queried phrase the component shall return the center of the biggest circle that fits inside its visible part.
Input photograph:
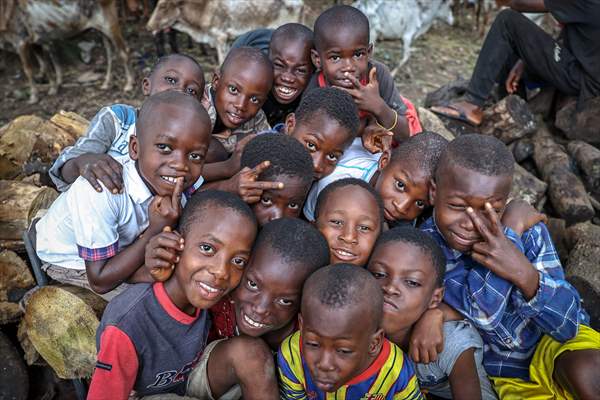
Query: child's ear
(370, 50)
(146, 86)
(384, 160)
(300, 323)
(215, 80)
(316, 60)
(133, 147)
(376, 343)
(436, 297)
(432, 190)
(290, 123)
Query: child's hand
(514, 76)
(427, 337)
(236, 157)
(247, 186)
(366, 97)
(162, 253)
(376, 139)
(500, 255)
(520, 216)
(103, 168)
(165, 211)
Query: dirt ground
(438, 57)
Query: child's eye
(311, 147)
(458, 207)
(293, 206)
(191, 91)
(335, 222)
(285, 302)
(334, 58)
(344, 351)
(311, 344)
(412, 284)
(232, 89)
(266, 201)
(207, 248)
(277, 64)
(332, 157)
(378, 275)
(239, 262)
(170, 80)
(364, 228)
(420, 203)
(196, 157)
(302, 71)
(163, 147)
(359, 54)
(254, 100)
(251, 285)
(400, 186)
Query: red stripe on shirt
(167, 304)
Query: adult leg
(579, 373)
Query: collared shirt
(510, 325)
(83, 224)
(390, 376)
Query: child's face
(344, 53)
(173, 145)
(292, 68)
(279, 203)
(408, 280)
(350, 221)
(335, 347)
(324, 138)
(240, 92)
(216, 251)
(403, 187)
(177, 73)
(268, 297)
(459, 188)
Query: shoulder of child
(125, 303)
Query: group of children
(284, 233)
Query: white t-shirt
(356, 162)
(84, 224)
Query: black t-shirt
(581, 35)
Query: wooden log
(558, 232)
(15, 279)
(70, 122)
(522, 149)
(431, 122)
(580, 123)
(566, 191)
(527, 187)
(588, 161)
(543, 102)
(508, 120)
(19, 203)
(61, 322)
(29, 137)
(583, 269)
(14, 381)
(447, 93)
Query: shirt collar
(134, 184)
(449, 251)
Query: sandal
(453, 112)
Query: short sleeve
(459, 336)
(95, 218)
(568, 12)
(387, 88)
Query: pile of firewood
(554, 142)
(59, 322)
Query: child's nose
(275, 213)
(260, 307)
(349, 234)
(402, 205)
(325, 362)
(219, 268)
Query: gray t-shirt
(459, 336)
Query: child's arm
(106, 274)
(519, 216)
(464, 381)
(291, 386)
(427, 336)
(116, 367)
(226, 169)
(87, 156)
(544, 295)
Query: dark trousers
(513, 36)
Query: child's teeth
(253, 322)
(208, 288)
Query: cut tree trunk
(14, 381)
(19, 203)
(508, 120)
(580, 124)
(588, 161)
(61, 323)
(543, 102)
(71, 122)
(527, 187)
(522, 149)
(15, 279)
(433, 123)
(582, 269)
(558, 232)
(566, 191)
(447, 93)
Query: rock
(522, 149)
(580, 124)
(447, 93)
(431, 122)
(14, 381)
(558, 231)
(15, 279)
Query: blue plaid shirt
(510, 325)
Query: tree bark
(588, 161)
(15, 279)
(508, 120)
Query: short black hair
(332, 187)
(423, 242)
(299, 243)
(287, 156)
(340, 16)
(201, 201)
(424, 150)
(162, 60)
(245, 56)
(345, 285)
(175, 98)
(483, 154)
(293, 32)
(331, 102)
